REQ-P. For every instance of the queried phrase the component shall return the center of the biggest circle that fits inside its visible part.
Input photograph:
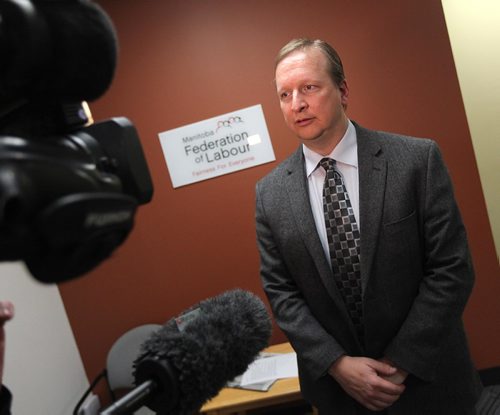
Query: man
(395, 341)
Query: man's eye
(309, 87)
(284, 95)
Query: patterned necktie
(344, 242)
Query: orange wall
(184, 61)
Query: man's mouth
(304, 121)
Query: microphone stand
(133, 400)
(157, 388)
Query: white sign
(220, 145)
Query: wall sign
(220, 145)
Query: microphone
(192, 357)
(55, 50)
(85, 50)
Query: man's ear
(344, 93)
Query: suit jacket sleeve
(5, 400)
(315, 347)
(447, 276)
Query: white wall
(474, 29)
(43, 367)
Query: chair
(119, 362)
(489, 402)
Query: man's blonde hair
(336, 69)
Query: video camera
(69, 188)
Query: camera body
(69, 188)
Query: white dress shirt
(346, 156)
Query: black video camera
(69, 188)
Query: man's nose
(298, 102)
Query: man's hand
(398, 377)
(6, 313)
(364, 380)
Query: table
(238, 401)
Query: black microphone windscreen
(55, 50)
(209, 345)
(84, 48)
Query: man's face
(312, 104)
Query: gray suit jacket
(416, 274)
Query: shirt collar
(345, 152)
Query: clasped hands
(375, 384)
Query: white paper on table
(275, 367)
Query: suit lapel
(298, 192)
(372, 185)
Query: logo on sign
(229, 122)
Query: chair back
(121, 356)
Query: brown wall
(184, 61)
